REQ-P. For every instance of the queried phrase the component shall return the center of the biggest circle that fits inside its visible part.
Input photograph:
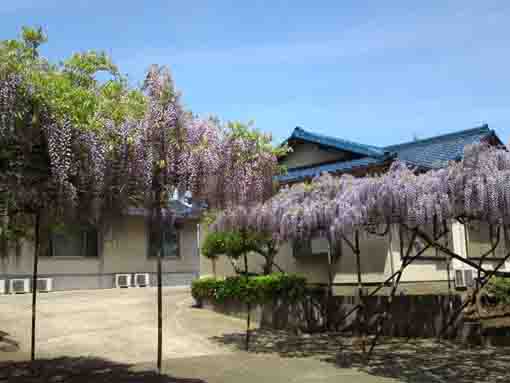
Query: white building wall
(124, 251)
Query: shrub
(500, 288)
(253, 289)
(204, 288)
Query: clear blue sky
(377, 72)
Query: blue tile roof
(434, 152)
(341, 166)
(336, 143)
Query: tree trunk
(268, 266)
(159, 243)
(34, 284)
(330, 288)
(361, 314)
(248, 308)
(213, 261)
(4, 222)
(160, 312)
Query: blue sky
(378, 72)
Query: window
(170, 243)
(314, 246)
(482, 237)
(75, 243)
(439, 232)
(301, 248)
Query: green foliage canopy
(71, 89)
(233, 244)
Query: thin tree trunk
(405, 263)
(330, 288)
(4, 222)
(34, 284)
(248, 307)
(361, 314)
(213, 261)
(385, 282)
(268, 266)
(159, 240)
(160, 312)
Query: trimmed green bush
(253, 289)
(500, 288)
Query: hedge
(251, 289)
(500, 288)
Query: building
(85, 259)
(314, 154)
(82, 258)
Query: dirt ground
(110, 336)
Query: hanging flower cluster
(477, 187)
(9, 90)
(247, 165)
(100, 172)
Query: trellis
(475, 189)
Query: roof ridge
(369, 149)
(479, 129)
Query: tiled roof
(337, 143)
(341, 166)
(428, 153)
(436, 152)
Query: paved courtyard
(110, 336)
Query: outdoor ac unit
(122, 280)
(19, 286)
(142, 280)
(464, 278)
(2, 286)
(44, 285)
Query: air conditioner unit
(2, 286)
(19, 286)
(44, 285)
(122, 280)
(142, 280)
(464, 279)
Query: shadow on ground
(80, 370)
(422, 360)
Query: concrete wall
(307, 154)
(379, 260)
(124, 251)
